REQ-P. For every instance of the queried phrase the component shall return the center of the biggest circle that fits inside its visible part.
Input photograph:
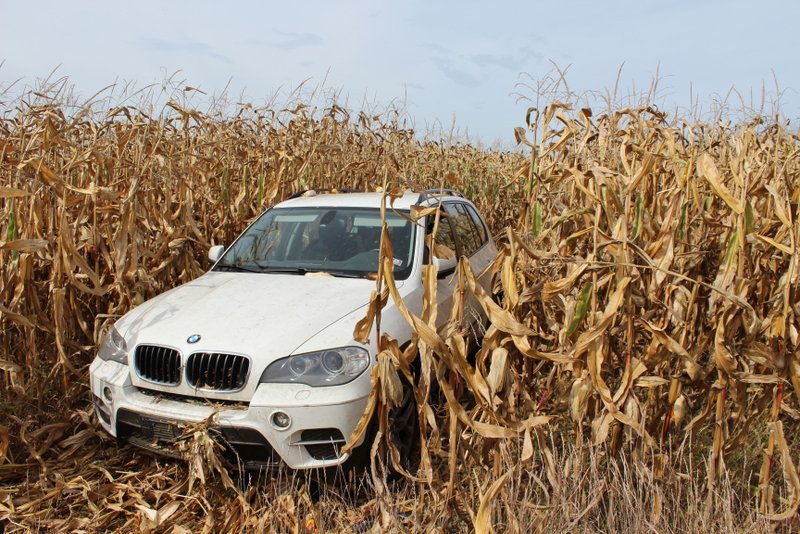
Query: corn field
(640, 368)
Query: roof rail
(430, 193)
(312, 192)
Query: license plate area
(242, 446)
(160, 429)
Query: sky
(470, 67)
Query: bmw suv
(264, 341)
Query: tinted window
(478, 223)
(467, 235)
(444, 235)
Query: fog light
(281, 420)
(107, 394)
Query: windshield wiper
(286, 270)
(305, 270)
(236, 268)
(346, 274)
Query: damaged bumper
(297, 425)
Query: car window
(337, 240)
(476, 234)
(479, 224)
(465, 230)
(445, 243)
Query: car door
(472, 241)
(486, 251)
(443, 243)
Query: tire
(403, 432)
(404, 429)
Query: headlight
(113, 347)
(324, 368)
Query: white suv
(265, 338)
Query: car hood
(265, 316)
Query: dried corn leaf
(708, 169)
(24, 245)
(482, 524)
(12, 192)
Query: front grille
(221, 372)
(158, 364)
(249, 448)
(322, 443)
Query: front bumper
(320, 419)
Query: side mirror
(444, 266)
(215, 252)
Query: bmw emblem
(194, 338)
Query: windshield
(340, 241)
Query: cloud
(288, 41)
(412, 85)
(471, 70)
(516, 61)
(196, 48)
(504, 61)
(457, 75)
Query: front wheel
(403, 432)
(404, 428)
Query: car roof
(363, 200)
